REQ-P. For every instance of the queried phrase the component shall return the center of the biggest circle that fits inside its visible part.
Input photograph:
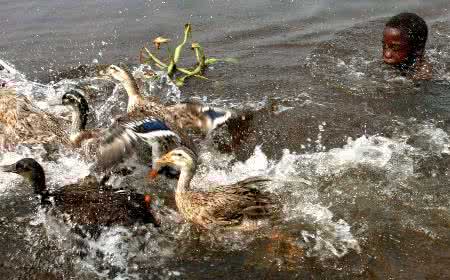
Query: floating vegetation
(177, 73)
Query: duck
(192, 116)
(80, 136)
(88, 202)
(224, 206)
(24, 123)
(146, 136)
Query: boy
(404, 39)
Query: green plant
(174, 71)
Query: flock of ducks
(156, 134)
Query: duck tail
(198, 116)
(214, 117)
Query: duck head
(115, 72)
(75, 100)
(181, 158)
(80, 110)
(30, 170)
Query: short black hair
(414, 27)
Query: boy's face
(395, 46)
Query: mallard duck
(89, 202)
(80, 110)
(147, 137)
(223, 206)
(192, 116)
(79, 135)
(24, 123)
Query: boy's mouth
(390, 60)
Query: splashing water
(316, 188)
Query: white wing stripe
(158, 134)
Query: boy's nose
(387, 54)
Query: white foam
(297, 175)
(437, 139)
(330, 238)
(66, 170)
(159, 85)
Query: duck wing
(160, 112)
(91, 203)
(147, 135)
(40, 121)
(27, 123)
(230, 204)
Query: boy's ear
(418, 52)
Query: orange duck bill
(163, 161)
(152, 174)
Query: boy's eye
(395, 47)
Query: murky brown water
(372, 146)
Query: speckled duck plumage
(144, 136)
(222, 206)
(24, 123)
(185, 116)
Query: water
(361, 155)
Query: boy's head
(404, 39)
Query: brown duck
(193, 116)
(223, 206)
(24, 123)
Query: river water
(361, 154)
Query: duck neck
(184, 181)
(79, 120)
(132, 90)
(37, 179)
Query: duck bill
(165, 160)
(153, 174)
(104, 77)
(8, 168)
(102, 74)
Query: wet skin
(395, 46)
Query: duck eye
(19, 166)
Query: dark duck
(89, 202)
